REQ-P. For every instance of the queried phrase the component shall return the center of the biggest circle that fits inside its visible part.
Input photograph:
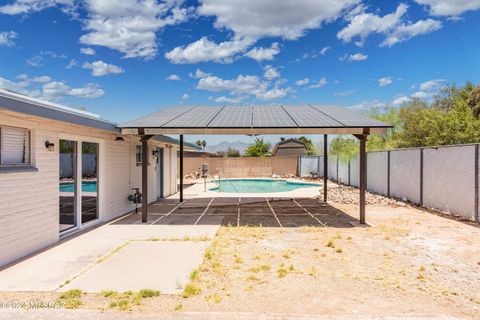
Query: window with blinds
(14, 146)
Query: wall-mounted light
(155, 153)
(119, 138)
(50, 145)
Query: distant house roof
(24, 104)
(289, 144)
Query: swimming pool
(87, 186)
(258, 185)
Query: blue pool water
(258, 185)
(87, 186)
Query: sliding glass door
(68, 184)
(89, 181)
(79, 168)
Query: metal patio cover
(256, 119)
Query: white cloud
(288, 19)
(6, 38)
(185, 96)
(29, 6)
(407, 31)
(46, 88)
(449, 7)
(130, 26)
(270, 72)
(204, 50)
(72, 63)
(223, 99)
(429, 88)
(343, 93)
(354, 57)
(322, 82)
(243, 85)
(35, 61)
(173, 77)
(324, 50)
(400, 100)
(198, 74)
(302, 82)
(385, 81)
(391, 25)
(434, 84)
(261, 53)
(87, 51)
(367, 105)
(100, 68)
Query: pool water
(258, 185)
(87, 186)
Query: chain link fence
(444, 178)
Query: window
(14, 146)
(138, 155)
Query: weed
(191, 290)
(258, 268)
(330, 243)
(316, 249)
(178, 307)
(148, 293)
(339, 250)
(291, 268)
(349, 238)
(282, 272)
(178, 284)
(71, 298)
(252, 277)
(214, 297)
(312, 271)
(286, 255)
(194, 275)
(238, 260)
(108, 293)
(208, 254)
(421, 269)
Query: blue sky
(122, 59)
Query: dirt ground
(408, 262)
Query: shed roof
(261, 119)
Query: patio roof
(263, 119)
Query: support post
(181, 168)
(363, 174)
(144, 138)
(325, 166)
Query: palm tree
(201, 143)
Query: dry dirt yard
(409, 262)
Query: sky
(125, 58)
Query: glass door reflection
(89, 181)
(68, 184)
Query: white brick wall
(29, 217)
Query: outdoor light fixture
(49, 145)
(155, 153)
(119, 138)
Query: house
(289, 147)
(64, 170)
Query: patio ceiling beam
(254, 131)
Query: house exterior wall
(29, 201)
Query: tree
(311, 151)
(345, 148)
(201, 143)
(233, 153)
(259, 148)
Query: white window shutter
(15, 145)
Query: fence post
(349, 173)
(388, 173)
(318, 166)
(477, 218)
(337, 168)
(421, 177)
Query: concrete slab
(49, 269)
(158, 265)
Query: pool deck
(198, 190)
